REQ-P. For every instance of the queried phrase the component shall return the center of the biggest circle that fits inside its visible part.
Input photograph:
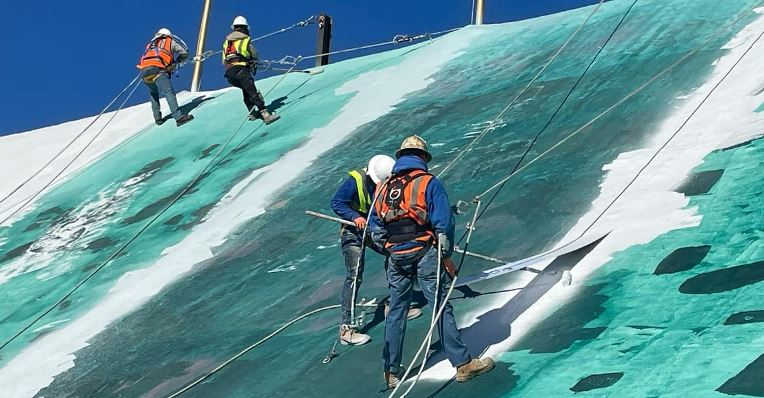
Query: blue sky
(64, 60)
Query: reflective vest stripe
(235, 52)
(413, 205)
(363, 194)
(158, 53)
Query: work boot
(183, 120)
(392, 380)
(413, 312)
(351, 337)
(268, 117)
(159, 122)
(473, 368)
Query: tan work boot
(351, 337)
(473, 368)
(268, 117)
(413, 312)
(392, 380)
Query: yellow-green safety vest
(236, 52)
(363, 195)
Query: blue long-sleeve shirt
(438, 206)
(347, 194)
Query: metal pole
(351, 224)
(196, 80)
(479, 12)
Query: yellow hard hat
(414, 142)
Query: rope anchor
(402, 39)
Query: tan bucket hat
(414, 142)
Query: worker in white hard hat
(240, 61)
(163, 53)
(352, 202)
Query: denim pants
(351, 250)
(161, 85)
(400, 286)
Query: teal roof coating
(667, 304)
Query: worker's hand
(449, 266)
(360, 223)
(445, 245)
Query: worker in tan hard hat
(411, 219)
(352, 202)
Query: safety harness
(236, 52)
(402, 208)
(158, 53)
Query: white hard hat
(164, 32)
(380, 167)
(239, 21)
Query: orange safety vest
(402, 208)
(158, 53)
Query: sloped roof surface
(668, 304)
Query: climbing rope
(308, 21)
(210, 164)
(498, 117)
(428, 336)
(560, 106)
(606, 111)
(397, 39)
(471, 227)
(514, 172)
(141, 230)
(69, 164)
(69, 144)
(662, 147)
(475, 217)
(276, 332)
(250, 348)
(450, 291)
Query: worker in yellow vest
(240, 61)
(352, 202)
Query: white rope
(442, 307)
(428, 337)
(70, 143)
(384, 43)
(517, 97)
(71, 161)
(213, 162)
(250, 348)
(621, 101)
(360, 258)
(433, 320)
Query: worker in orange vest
(163, 53)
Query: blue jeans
(400, 286)
(351, 250)
(162, 85)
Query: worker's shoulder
(236, 35)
